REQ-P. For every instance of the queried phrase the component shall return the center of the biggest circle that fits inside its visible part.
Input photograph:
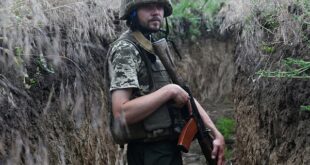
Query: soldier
(145, 103)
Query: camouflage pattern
(126, 69)
(128, 5)
(131, 66)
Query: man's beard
(136, 25)
(147, 29)
(152, 20)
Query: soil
(271, 127)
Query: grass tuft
(226, 126)
(294, 68)
(305, 108)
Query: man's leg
(135, 154)
(162, 153)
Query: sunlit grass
(293, 68)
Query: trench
(210, 62)
(52, 108)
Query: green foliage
(294, 68)
(211, 8)
(269, 21)
(302, 11)
(196, 16)
(305, 108)
(30, 82)
(226, 126)
(268, 48)
(18, 51)
(43, 64)
(184, 11)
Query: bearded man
(144, 101)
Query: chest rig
(164, 123)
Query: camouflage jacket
(130, 66)
(127, 69)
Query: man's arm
(219, 142)
(139, 108)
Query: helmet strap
(166, 31)
(167, 28)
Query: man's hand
(218, 149)
(179, 95)
(218, 142)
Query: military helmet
(128, 5)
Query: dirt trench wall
(60, 119)
(208, 68)
(52, 108)
(271, 127)
(51, 81)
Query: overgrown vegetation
(305, 107)
(292, 68)
(268, 24)
(273, 41)
(193, 18)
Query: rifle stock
(187, 135)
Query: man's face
(151, 16)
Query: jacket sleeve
(123, 66)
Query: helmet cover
(127, 6)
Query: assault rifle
(194, 127)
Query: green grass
(226, 126)
(41, 61)
(269, 49)
(197, 15)
(305, 108)
(293, 68)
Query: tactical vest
(164, 123)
